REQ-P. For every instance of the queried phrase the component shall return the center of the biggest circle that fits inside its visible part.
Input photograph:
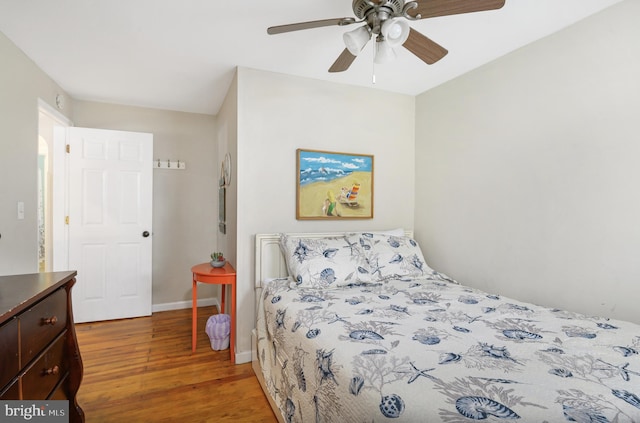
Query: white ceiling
(181, 55)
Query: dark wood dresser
(38, 347)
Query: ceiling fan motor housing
(375, 12)
(361, 8)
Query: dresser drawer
(60, 392)
(39, 354)
(41, 323)
(46, 372)
(9, 351)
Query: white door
(109, 228)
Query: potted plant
(217, 259)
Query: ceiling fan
(387, 20)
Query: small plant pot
(217, 263)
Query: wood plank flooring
(142, 370)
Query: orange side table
(224, 276)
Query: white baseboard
(243, 357)
(178, 305)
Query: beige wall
(21, 84)
(278, 114)
(227, 143)
(184, 201)
(527, 170)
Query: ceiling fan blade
(426, 49)
(343, 61)
(308, 25)
(433, 8)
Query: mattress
(426, 349)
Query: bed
(358, 328)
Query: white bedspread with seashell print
(434, 351)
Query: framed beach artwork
(334, 185)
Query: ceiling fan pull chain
(373, 66)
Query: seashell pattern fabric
(324, 262)
(354, 260)
(431, 350)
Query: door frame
(59, 168)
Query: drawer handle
(52, 371)
(50, 320)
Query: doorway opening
(48, 120)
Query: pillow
(392, 256)
(324, 262)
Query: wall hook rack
(169, 164)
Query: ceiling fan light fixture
(356, 40)
(387, 21)
(395, 31)
(384, 52)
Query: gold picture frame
(333, 185)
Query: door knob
(145, 234)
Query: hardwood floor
(142, 370)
